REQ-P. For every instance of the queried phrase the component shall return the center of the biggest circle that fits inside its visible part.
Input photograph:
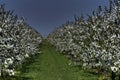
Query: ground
(52, 65)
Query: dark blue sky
(46, 15)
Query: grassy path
(51, 65)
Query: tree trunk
(113, 76)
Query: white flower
(85, 64)
(10, 72)
(9, 46)
(94, 27)
(0, 29)
(103, 50)
(113, 36)
(95, 44)
(8, 61)
(26, 55)
(6, 65)
(114, 69)
(0, 72)
(98, 64)
(75, 56)
(18, 58)
(116, 63)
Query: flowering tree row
(93, 42)
(17, 42)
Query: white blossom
(114, 69)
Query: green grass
(51, 65)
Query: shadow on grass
(15, 78)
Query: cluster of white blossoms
(116, 66)
(18, 41)
(92, 43)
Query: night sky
(46, 15)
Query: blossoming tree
(94, 42)
(17, 42)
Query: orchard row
(18, 41)
(93, 43)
